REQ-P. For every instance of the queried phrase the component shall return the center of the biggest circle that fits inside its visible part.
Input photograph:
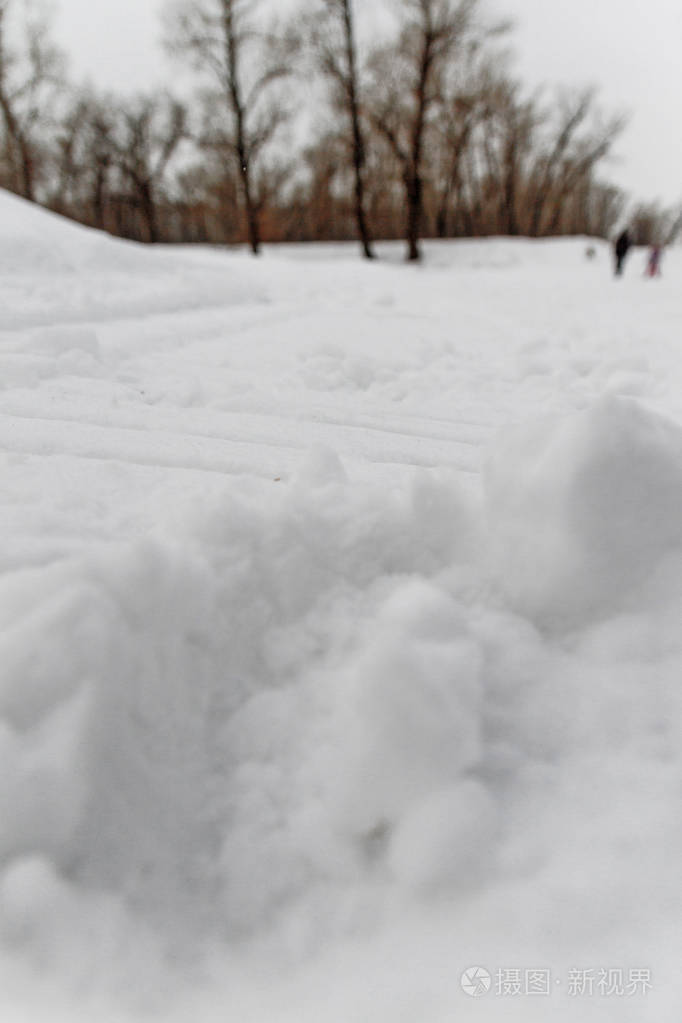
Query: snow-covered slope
(339, 632)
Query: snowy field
(340, 645)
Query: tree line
(313, 129)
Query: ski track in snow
(339, 629)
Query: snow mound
(273, 709)
(582, 509)
(284, 732)
(56, 271)
(215, 723)
(36, 241)
(445, 840)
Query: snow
(339, 630)
(594, 499)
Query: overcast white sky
(631, 50)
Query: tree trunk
(413, 191)
(98, 197)
(360, 217)
(536, 219)
(358, 143)
(27, 175)
(442, 220)
(510, 194)
(240, 141)
(252, 218)
(148, 210)
(555, 218)
(22, 157)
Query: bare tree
(31, 74)
(606, 207)
(580, 140)
(470, 81)
(148, 131)
(408, 88)
(431, 134)
(511, 123)
(207, 203)
(221, 39)
(580, 167)
(674, 227)
(66, 193)
(651, 224)
(454, 130)
(335, 44)
(83, 158)
(526, 171)
(99, 158)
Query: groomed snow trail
(339, 632)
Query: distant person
(621, 249)
(653, 266)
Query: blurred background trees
(32, 82)
(314, 128)
(241, 64)
(333, 40)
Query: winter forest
(311, 127)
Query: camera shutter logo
(476, 981)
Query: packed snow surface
(339, 632)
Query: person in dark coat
(621, 250)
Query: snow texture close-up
(340, 649)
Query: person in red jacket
(653, 266)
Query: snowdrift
(85, 275)
(306, 738)
(283, 714)
(584, 509)
(215, 688)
